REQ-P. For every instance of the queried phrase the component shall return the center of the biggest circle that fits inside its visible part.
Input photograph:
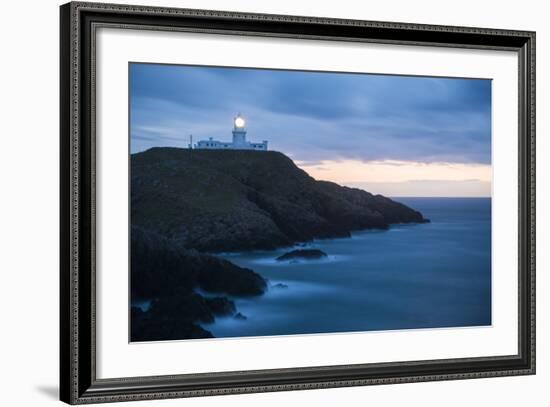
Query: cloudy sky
(394, 135)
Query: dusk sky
(393, 135)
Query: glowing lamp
(239, 122)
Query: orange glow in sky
(406, 178)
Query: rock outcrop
(188, 204)
(170, 276)
(302, 254)
(218, 201)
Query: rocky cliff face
(170, 276)
(241, 200)
(188, 202)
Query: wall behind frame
(29, 164)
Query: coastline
(359, 269)
(188, 206)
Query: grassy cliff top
(239, 199)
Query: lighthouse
(239, 139)
(239, 131)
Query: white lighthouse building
(239, 140)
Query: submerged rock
(240, 316)
(279, 285)
(307, 254)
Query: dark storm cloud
(314, 116)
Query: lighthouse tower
(239, 132)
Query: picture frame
(79, 382)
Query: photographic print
(281, 202)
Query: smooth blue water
(410, 276)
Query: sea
(411, 276)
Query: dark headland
(187, 205)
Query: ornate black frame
(78, 382)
